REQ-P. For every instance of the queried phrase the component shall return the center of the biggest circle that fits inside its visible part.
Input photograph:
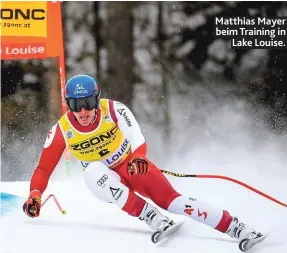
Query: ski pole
(56, 201)
(228, 179)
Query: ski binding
(160, 235)
(246, 244)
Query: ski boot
(246, 235)
(154, 219)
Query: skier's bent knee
(105, 184)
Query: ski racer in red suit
(106, 139)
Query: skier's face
(84, 117)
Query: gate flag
(33, 30)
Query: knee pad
(105, 184)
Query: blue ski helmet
(82, 91)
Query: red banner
(23, 51)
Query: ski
(160, 235)
(246, 244)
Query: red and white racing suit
(104, 149)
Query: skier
(106, 139)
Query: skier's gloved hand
(138, 166)
(32, 205)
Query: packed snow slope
(91, 225)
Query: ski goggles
(77, 104)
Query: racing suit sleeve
(51, 154)
(129, 126)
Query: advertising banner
(31, 30)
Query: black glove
(138, 166)
(32, 205)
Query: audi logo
(102, 180)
